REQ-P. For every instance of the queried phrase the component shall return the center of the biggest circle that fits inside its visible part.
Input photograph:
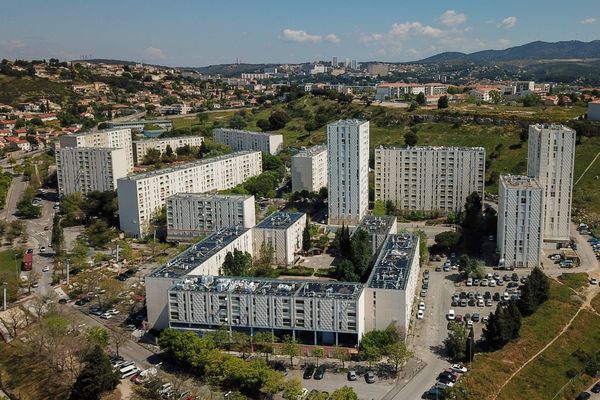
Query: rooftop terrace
(393, 264)
(520, 182)
(377, 225)
(311, 151)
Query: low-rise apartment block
(119, 138)
(203, 258)
(520, 221)
(397, 90)
(309, 169)
(192, 214)
(429, 178)
(378, 228)
(283, 232)
(246, 140)
(88, 169)
(141, 147)
(140, 196)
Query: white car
(459, 368)
(451, 315)
(593, 281)
(420, 314)
(42, 249)
(505, 296)
(421, 306)
(492, 283)
(470, 282)
(106, 315)
(46, 269)
(484, 282)
(112, 311)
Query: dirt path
(591, 291)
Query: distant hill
(530, 51)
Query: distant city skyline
(188, 33)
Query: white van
(133, 371)
(125, 369)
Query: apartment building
(190, 215)
(550, 160)
(142, 195)
(520, 221)
(283, 232)
(429, 178)
(390, 289)
(397, 90)
(203, 258)
(378, 228)
(348, 171)
(247, 140)
(166, 124)
(141, 147)
(119, 138)
(88, 169)
(309, 169)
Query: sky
(204, 32)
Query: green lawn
(7, 261)
(575, 281)
(490, 370)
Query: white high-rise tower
(348, 178)
(550, 160)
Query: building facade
(309, 169)
(397, 90)
(119, 138)
(550, 160)
(192, 214)
(593, 110)
(247, 140)
(348, 171)
(378, 228)
(88, 169)
(283, 232)
(141, 147)
(203, 258)
(429, 178)
(520, 221)
(142, 195)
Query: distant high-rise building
(347, 63)
(550, 160)
(520, 218)
(353, 64)
(334, 62)
(348, 165)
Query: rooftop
(550, 126)
(270, 287)
(88, 133)
(434, 148)
(185, 166)
(165, 139)
(393, 263)
(377, 225)
(245, 132)
(198, 253)
(280, 220)
(520, 181)
(210, 196)
(311, 151)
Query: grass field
(14, 90)
(490, 370)
(7, 261)
(575, 281)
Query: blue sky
(203, 32)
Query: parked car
(475, 317)
(421, 306)
(319, 373)
(480, 303)
(420, 314)
(470, 282)
(435, 393)
(459, 368)
(106, 315)
(446, 376)
(464, 303)
(496, 296)
(583, 396)
(451, 315)
(352, 375)
(426, 273)
(596, 388)
(423, 293)
(484, 282)
(515, 277)
(370, 377)
(593, 281)
(42, 249)
(472, 302)
(308, 372)
(46, 269)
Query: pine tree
(96, 377)
(528, 301)
(540, 285)
(514, 315)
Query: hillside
(572, 49)
(229, 70)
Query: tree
(502, 326)
(306, 242)
(443, 102)
(241, 342)
(398, 354)
(98, 336)
(278, 119)
(169, 155)
(290, 348)
(96, 377)
(341, 354)
(151, 157)
(237, 122)
(421, 98)
(263, 342)
(456, 342)
(292, 389)
(237, 263)
(447, 241)
(471, 222)
(317, 352)
(58, 237)
(344, 393)
(410, 138)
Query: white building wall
(551, 158)
(141, 195)
(141, 147)
(286, 242)
(107, 138)
(87, 169)
(247, 140)
(309, 169)
(348, 166)
(191, 214)
(213, 265)
(520, 219)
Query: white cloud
(371, 37)
(408, 29)
(504, 42)
(508, 22)
(588, 21)
(332, 37)
(451, 18)
(154, 53)
(291, 35)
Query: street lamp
(4, 284)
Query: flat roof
(88, 133)
(246, 132)
(392, 268)
(198, 253)
(270, 287)
(311, 151)
(279, 220)
(435, 148)
(192, 164)
(166, 139)
(551, 126)
(520, 181)
(207, 196)
(377, 225)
